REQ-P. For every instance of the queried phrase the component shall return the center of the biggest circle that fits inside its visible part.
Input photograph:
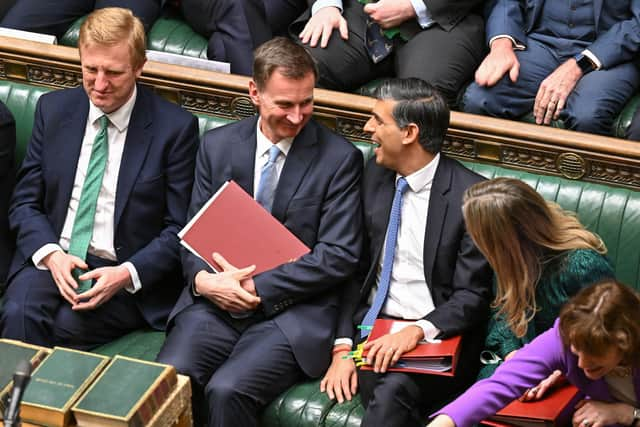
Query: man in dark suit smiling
(101, 194)
(242, 339)
(419, 263)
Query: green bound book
(12, 352)
(57, 383)
(128, 393)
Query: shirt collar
(119, 118)
(422, 177)
(264, 144)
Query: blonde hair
(113, 25)
(602, 317)
(516, 230)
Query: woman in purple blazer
(595, 343)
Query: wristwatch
(636, 417)
(585, 64)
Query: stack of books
(74, 387)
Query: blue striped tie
(268, 179)
(387, 262)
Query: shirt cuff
(340, 341)
(516, 45)
(42, 253)
(321, 4)
(422, 13)
(136, 285)
(429, 330)
(593, 58)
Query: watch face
(636, 414)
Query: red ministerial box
(233, 224)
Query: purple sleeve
(531, 364)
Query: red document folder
(437, 357)
(233, 224)
(553, 410)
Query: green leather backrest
(21, 100)
(612, 213)
(167, 34)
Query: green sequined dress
(563, 276)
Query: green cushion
(175, 36)
(21, 99)
(142, 344)
(168, 34)
(622, 122)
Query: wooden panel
(524, 146)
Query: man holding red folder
(244, 339)
(419, 262)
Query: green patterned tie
(85, 215)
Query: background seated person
(236, 27)
(102, 192)
(572, 61)
(420, 264)
(439, 41)
(56, 16)
(7, 179)
(541, 256)
(595, 343)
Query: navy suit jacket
(318, 199)
(617, 23)
(7, 178)
(152, 196)
(458, 276)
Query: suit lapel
(243, 155)
(136, 146)
(300, 156)
(438, 205)
(384, 188)
(70, 140)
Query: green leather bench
(614, 213)
(171, 34)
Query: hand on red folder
(387, 350)
(538, 392)
(225, 289)
(594, 413)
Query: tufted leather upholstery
(168, 34)
(614, 213)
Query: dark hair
(420, 103)
(602, 317)
(290, 58)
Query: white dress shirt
(263, 144)
(102, 239)
(409, 297)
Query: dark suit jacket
(458, 276)
(7, 179)
(616, 25)
(318, 199)
(446, 13)
(152, 196)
